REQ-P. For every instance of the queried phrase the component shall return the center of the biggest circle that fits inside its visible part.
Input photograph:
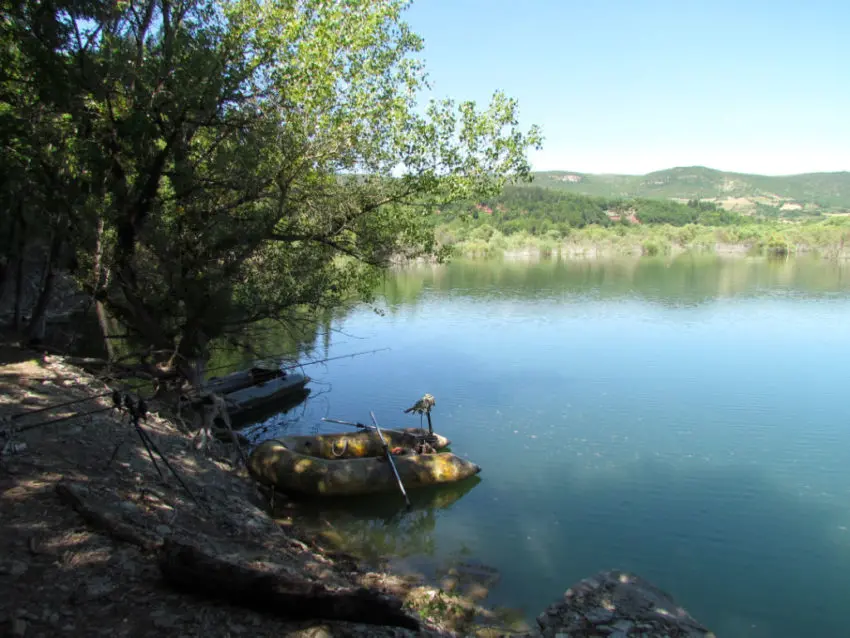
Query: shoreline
(571, 251)
(827, 238)
(585, 253)
(88, 545)
(100, 546)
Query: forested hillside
(825, 192)
(533, 218)
(537, 210)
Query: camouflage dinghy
(349, 464)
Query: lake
(685, 419)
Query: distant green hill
(538, 211)
(813, 192)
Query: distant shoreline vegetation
(525, 221)
(746, 193)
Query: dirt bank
(80, 540)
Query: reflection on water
(682, 418)
(271, 416)
(381, 531)
(684, 279)
(376, 527)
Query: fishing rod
(31, 426)
(356, 425)
(342, 356)
(20, 415)
(59, 405)
(100, 395)
(301, 365)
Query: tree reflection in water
(380, 531)
(377, 528)
(275, 417)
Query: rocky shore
(88, 546)
(618, 605)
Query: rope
(344, 449)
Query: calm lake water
(684, 419)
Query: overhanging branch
(330, 243)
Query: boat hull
(275, 463)
(241, 379)
(259, 393)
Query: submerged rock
(615, 603)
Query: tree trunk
(103, 320)
(194, 370)
(36, 327)
(191, 569)
(6, 271)
(8, 234)
(19, 275)
(200, 371)
(192, 354)
(101, 278)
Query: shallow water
(685, 419)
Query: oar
(390, 459)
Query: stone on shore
(618, 605)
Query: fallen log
(192, 570)
(97, 515)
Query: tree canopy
(202, 165)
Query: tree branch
(330, 243)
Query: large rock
(617, 605)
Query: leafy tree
(41, 198)
(226, 161)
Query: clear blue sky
(631, 86)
